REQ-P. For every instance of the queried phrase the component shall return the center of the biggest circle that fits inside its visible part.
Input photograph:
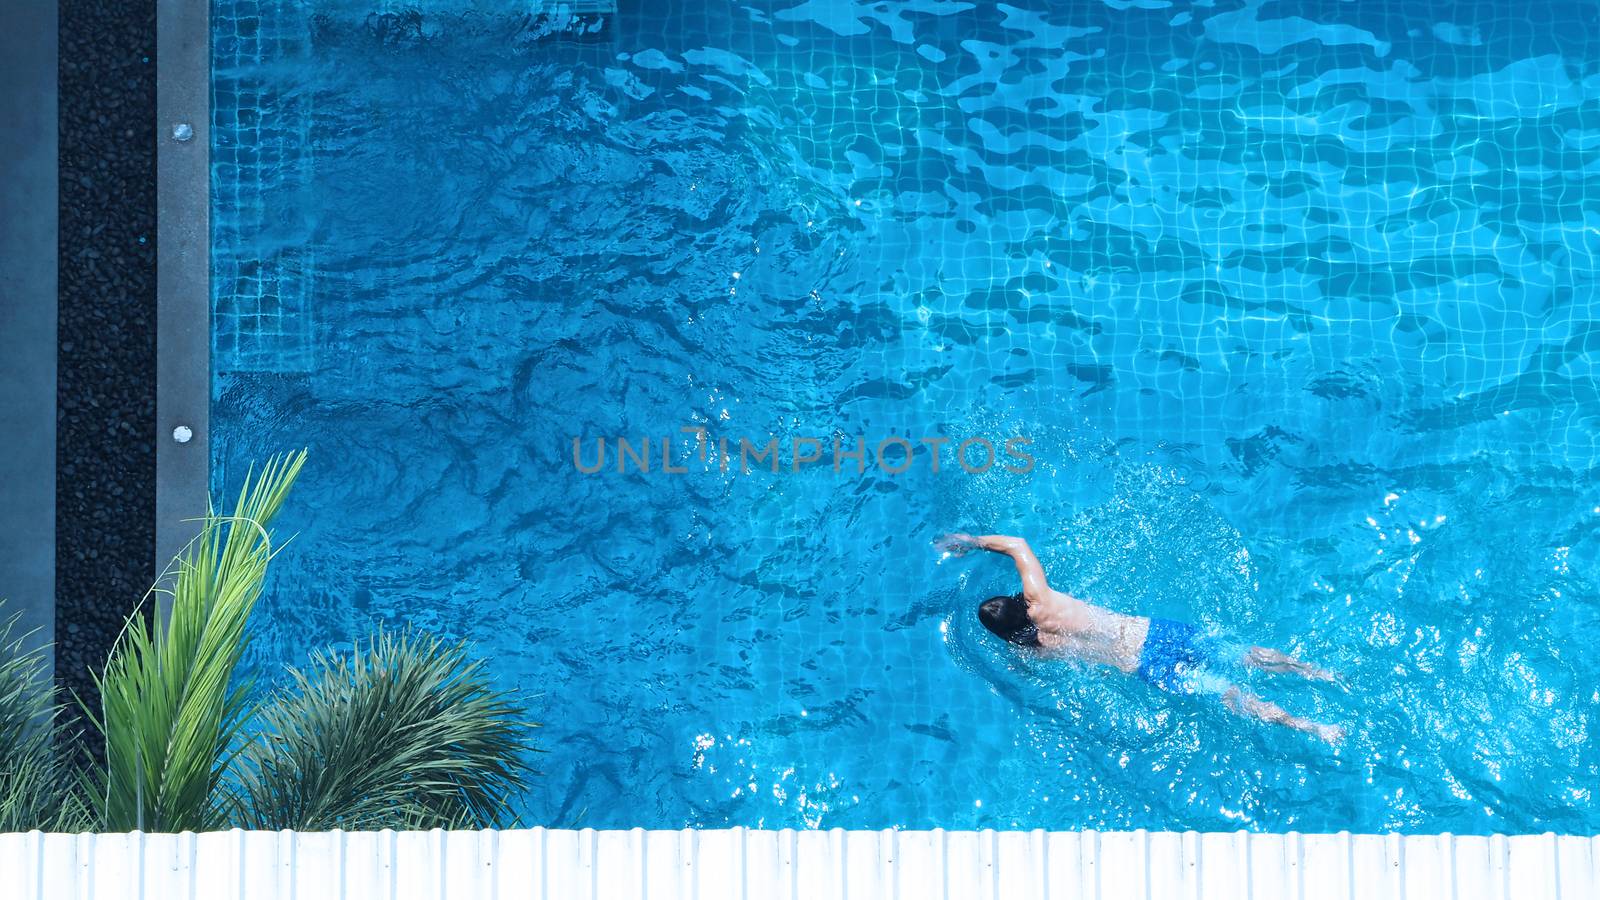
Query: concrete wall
(28, 313)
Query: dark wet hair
(1008, 617)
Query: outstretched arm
(1034, 586)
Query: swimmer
(1161, 652)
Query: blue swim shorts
(1174, 653)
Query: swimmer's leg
(1269, 660)
(1243, 703)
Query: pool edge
(183, 268)
(754, 864)
(29, 284)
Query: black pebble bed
(106, 392)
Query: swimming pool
(1295, 304)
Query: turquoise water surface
(1294, 303)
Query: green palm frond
(169, 710)
(403, 733)
(37, 786)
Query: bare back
(1074, 628)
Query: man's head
(1008, 617)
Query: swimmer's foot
(1333, 735)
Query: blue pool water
(1296, 304)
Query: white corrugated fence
(744, 864)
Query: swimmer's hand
(956, 544)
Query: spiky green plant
(402, 733)
(170, 710)
(38, 788)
